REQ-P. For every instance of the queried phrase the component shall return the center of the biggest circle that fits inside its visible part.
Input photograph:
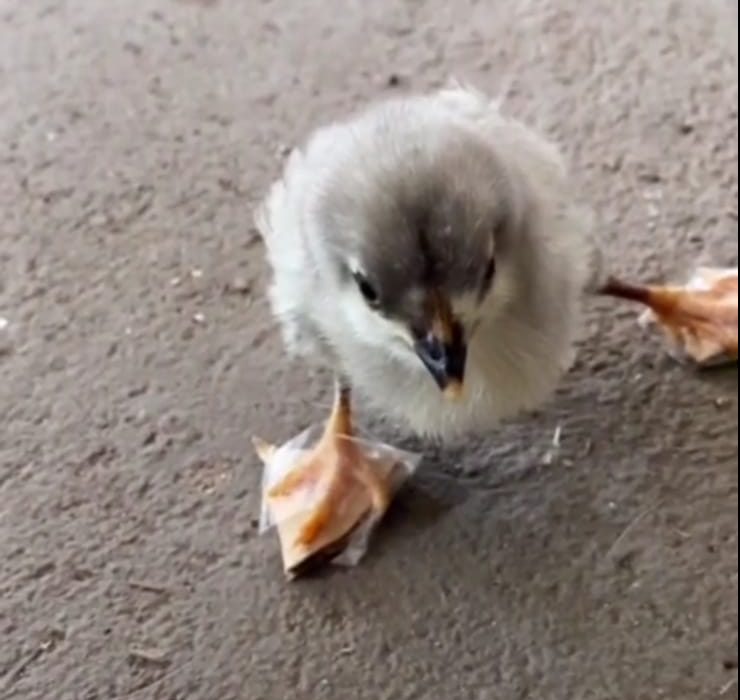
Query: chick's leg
(342, 464)
(321, 463)
(363, 469)
(340, 418)
(327, 460)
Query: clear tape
(397, 466)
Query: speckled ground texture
(139, 358)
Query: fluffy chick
(429, 251)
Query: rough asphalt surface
(138, 358)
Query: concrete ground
(138, 358)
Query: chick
(429, 251)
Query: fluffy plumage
(419, 192)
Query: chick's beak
(443, 349)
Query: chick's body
(412, 195)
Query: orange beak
(443, 349)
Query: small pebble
(651, 177)
(239, 285)
(6, 340)
(152, 655)
(199, 318)
(614, 165)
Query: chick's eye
(367, 290)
